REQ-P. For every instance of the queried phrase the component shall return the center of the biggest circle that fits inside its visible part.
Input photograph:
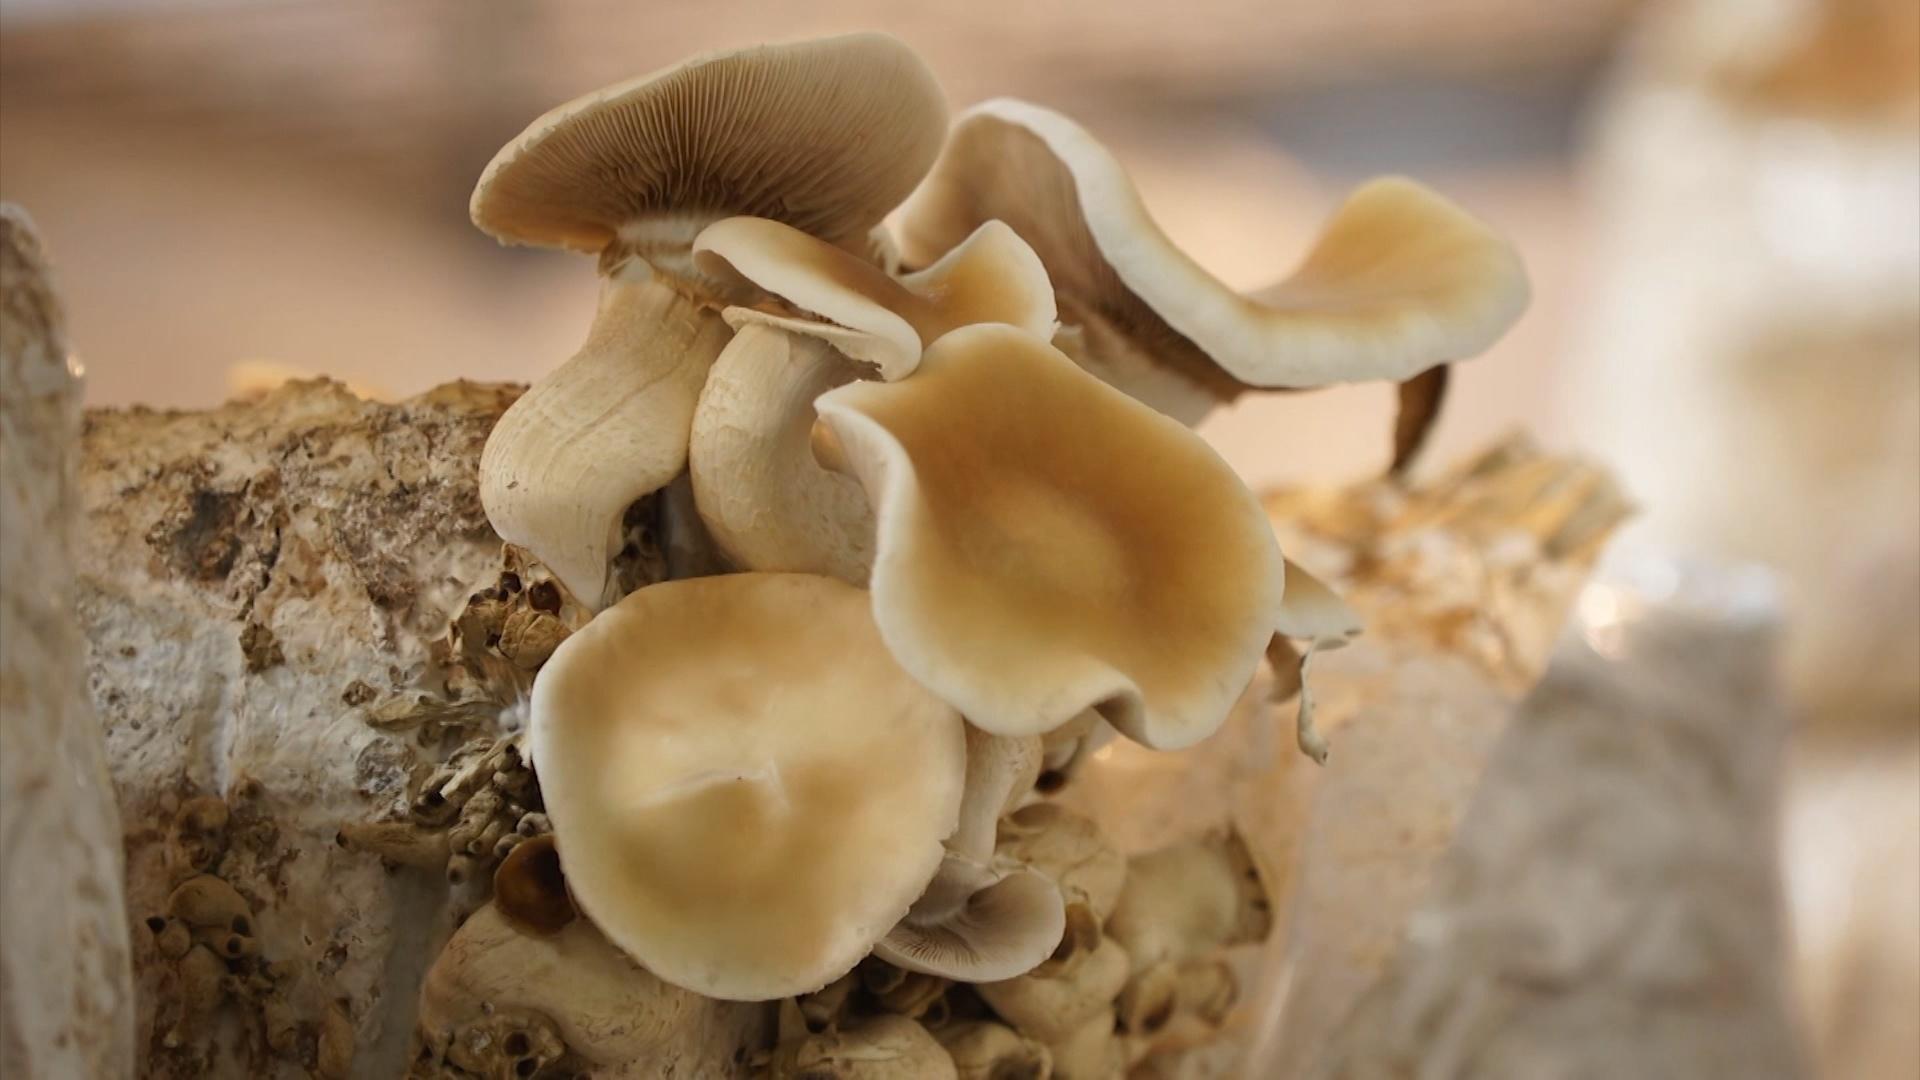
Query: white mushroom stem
(763, 498)
(1049, 1007)
(604, 429)
(1189, 900)
(984, 1050)
(1310, 611)
(1000, 770)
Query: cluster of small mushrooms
(966, 528)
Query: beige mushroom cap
(1398, 281)
(826, 135)
(708, 745)
(978, 924)
(990, 276)
(1046, 544)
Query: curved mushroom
(706, 744)
(607, 1010)
(763, 497)
(1046, 544)
(529, 888)
(1188, 900)
(991, 275)
(1068, 847)
(1048, 1007)
(978, 923)
(1312, 612)
(825, 135)
(978, 920)
(1398, 281)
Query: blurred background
(1718, 200)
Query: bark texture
(66, 999)
(268, 588)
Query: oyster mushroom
(1312, 612)
(1189, 900)
(978, 919)
(1046, 544)
(825, 135)
(984, 1050)
(765, 500)
(1067, 847)
(1067, 748)
(1092, 1051)
(1398, 281)
(884, 1047)
(607, 1010)
(706, 744)
(1048, 1007)
(529, 889)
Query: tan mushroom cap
(990, 276)
(1399, 280)
(706, 745)
(1046, 543)
(826, 135)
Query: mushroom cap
(1311, 611)
(530, 889)
(1398, 281)
(705, 745)
(826, 135)
(990, 276)
(1045, 543)
(1006, 923)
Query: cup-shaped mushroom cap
(706, 745)
(991, 276)
(1046, 543)
(826, 135)
(1398, 281)
(978, 924)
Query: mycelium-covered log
(268, 589)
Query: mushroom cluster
(963, 530)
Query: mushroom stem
(1000, 769)
(764, 499)
(1189, 900)
(604, 429)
